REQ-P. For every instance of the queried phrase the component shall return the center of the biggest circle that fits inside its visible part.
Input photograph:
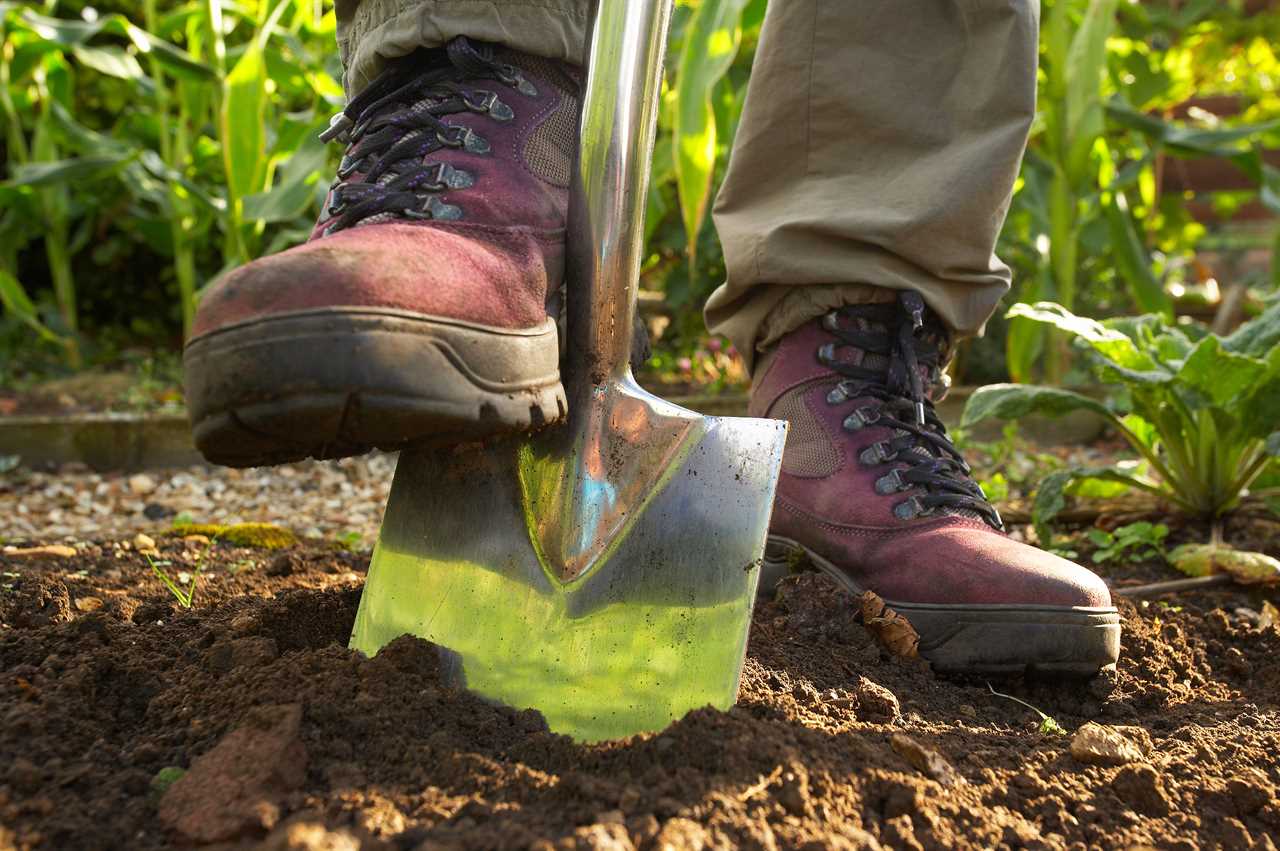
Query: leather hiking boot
(874, 494)
(423, 309)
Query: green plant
(1200, 410)
(1088, 226)
(174, 584)
(1134, 542)
(1048, 724)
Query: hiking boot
(875, 495)
(423, 309)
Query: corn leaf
(16, 301)
(244, 107)
(1132, 259)
(710, 45)
(57, 172)
(112, 61)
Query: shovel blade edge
(655, 627)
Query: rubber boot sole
(336, 382)
(991, 640)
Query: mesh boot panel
(810, 452)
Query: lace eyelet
(909, 509)
(891, 482)
(861, 417)
(876, 454)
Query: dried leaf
(891, 629)
(1247, 568)
(88, 604)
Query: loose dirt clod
(930, 762)
(235, 788)
(875, 702)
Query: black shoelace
(397, 122)
(935, 474)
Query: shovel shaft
(610, 188)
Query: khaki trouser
(877, 149)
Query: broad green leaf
(1222, 377)
(710, 45)
(1258, 336)
(293, 194)
(244, 107)
(57, 172)
(1118, 350)
(1014, 401)
(1247, 568)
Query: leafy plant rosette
(1202, 411)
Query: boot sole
(993, 639)
(336, 382)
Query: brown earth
(109, 691)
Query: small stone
(141, 484)
(603, 837)
(156, 511)
(1096, 744)
(88, 604)
(875, 702)
(145, 544)
(1140, 787)
(309, 836)
(232, 790)
(929, 762)
(681, 834)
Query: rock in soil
(100, 710)
(1100, 745)
(235, 789)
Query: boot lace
(394, 125)
(927, 464)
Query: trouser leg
(370, 32)
(878, 149)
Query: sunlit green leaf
(1014, 401)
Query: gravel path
(316, 499)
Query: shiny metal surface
(602, 571)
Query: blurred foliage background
(147, 146)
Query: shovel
(601, 571)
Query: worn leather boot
(423, 309)
(874, 494)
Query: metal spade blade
(602, 571)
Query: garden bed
(110, 690)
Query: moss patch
(266, 536)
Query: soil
(109, 690)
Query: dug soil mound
(127, 721)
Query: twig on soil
(1155, 589)
(1048, 725)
